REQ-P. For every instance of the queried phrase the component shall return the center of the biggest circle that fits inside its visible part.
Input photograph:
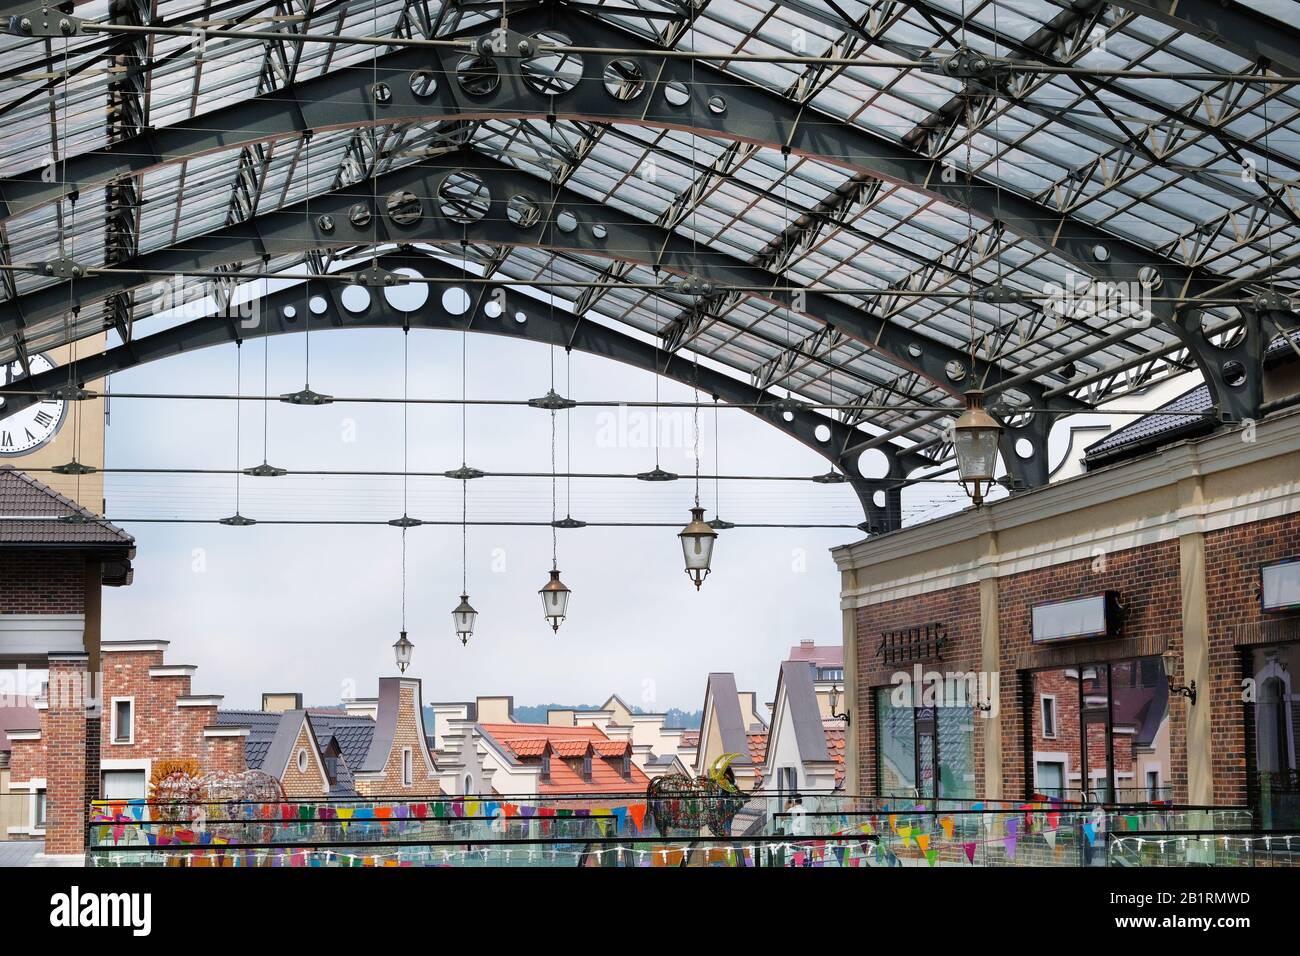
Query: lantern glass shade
(402, 652)
(463, 617)
(975, 444)
(1170, 661)
(697, 546)
(555, 600)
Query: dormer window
(627, 765)
(546, 766)
(586, 767)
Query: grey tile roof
(22, 496)
(1150, 430)
(353, 734)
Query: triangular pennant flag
(906, 834)
(637, 812)
(1050, 837)
(931, 856)
(970, 852)
(1090, 832)
(946, 823)
(923, 841)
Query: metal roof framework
(1057, 228)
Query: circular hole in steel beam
(359, 215)
(423, 83)
(955, 370)
(717, 104)
(463, 197)
(599, 231)
(478, 75)
(624, 80)
(566, 221)
(317, 304)
(523, 211)
(878, 498)
(404, 207)
(408, 296)
(289, 312)
(493, 308)
(676, 93)
(1024, 448)
(355, 298)
(873, 463)
(551, 72)
(1234, 374)
(521, 318)
(455, 300)
(822, 433)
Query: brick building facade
(1180, 537)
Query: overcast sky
(317, 608)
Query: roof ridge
(9, 471)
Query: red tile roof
(835, 747)
(611, 748)
(757, 752)
(571, 744)
(571, 748)
(527, 748)
(690, 738)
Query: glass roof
(1199, 172)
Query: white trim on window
(114, 737)
(302, 760)
(408, 767)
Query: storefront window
(1100, 732)
(1276, 721)
(928, 751)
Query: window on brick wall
(123, 729)
(1047, 704)
(928, 751)
(1095, 731)
(38, 814)
(407, 767)
(123, 785)
(1275, 726)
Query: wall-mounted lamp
(1170, 661)
(984, 705)
(835, 702)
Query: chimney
(807, 644)
(277, 702)
(362, 707)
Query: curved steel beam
(348, 97)
(286, 311)
(1231, 26)
(349, 216)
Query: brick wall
(423, 784)
(958, 609)
(225, 754)
(64, 732)
(1147, 579)
(309, 782)
(42, 582)
(1232, 560)
(162, 727)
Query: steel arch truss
(318, 305)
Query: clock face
(25, 431)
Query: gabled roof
(1151, 431)
(352, 733)
(822, 655)
(28, 513)
(722, 706)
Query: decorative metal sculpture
(184, 798)
(680, 802)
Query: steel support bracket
(968, 64)
(63, 268)
(46, 20)
(375, 277)
(506, 43)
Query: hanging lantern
(975, 442)
(463, 618)
(697, 546)
(402, 652)
(555, 600)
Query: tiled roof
(1150, 430)
(534, 747)
(1155, 429)
(571, 748)
(573, 743)
(757, 748)
(823, 655)
(22, 496)
(690, 738)
(612, 748)
(353, 734)
(835, 743)
(262, 727)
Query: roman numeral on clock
(6, 440)
(43, 418)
